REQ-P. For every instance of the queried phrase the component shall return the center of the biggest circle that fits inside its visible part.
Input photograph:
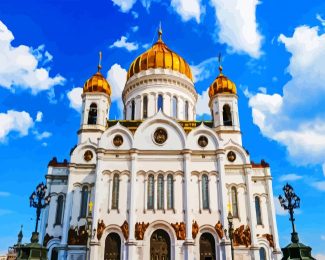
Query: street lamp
(231, 233)
(39, 201)
(289, 202)
(91, 233)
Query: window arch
(186, 110)
(151, 192)
(258, 210)
(92, 114)
(115, 191)
(160, 192)
(160, 103)
(234, 202)
(84, 202)
(132, 109)
(174, 107)
(145, 107)
(226, 113)
(262, 253)
(59, 210)
(205, 191)
(170, 192)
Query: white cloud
(20, 66)
(296, 119)
(125, 5)
(122, 43)
(202, 105)
(237, 26)
(290, 177)
(14, 121)
(135, 14)
(135, 28)
(4, 194)
(39, 116)
(205, 69)
(74, 96)
(319, 185)
(41, 136)
(188, 9)
(319, 256)
(278, 209)
(116, 77)
(319, 18)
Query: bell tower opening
(226, 113)
(92, 114)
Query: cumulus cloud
(202, 105)
(237, 26)
(74, 96)
(205, 69)
(20, 67)
(14, 121)
(296, 118)
(125, 5)
(320, 256)
(116, 77)
(290, 177)
(39, 116)
(123, 43)
(40, 136)
(135, 28)
(188, 9)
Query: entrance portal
(207, 247)
(160, 245)
(112, 247)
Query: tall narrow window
(170, 192)
(160, 103)
(115, 194)
(151, 192)
(234, 202)
(145, 107)
(59, 210)
(186, 110)
(160, 192)
(132, 110)
(258, 210)
(262, 253)
(227, 119)
(175, 107)
(92, 114)
(205, 192)
(84, 202)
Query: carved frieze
(140, 229)
(242, 236)
(180, 230)
(77, 236)
(269, 238)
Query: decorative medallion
(160, 135)
(231, 156)
(118, 140)
(88, 155)
(203, 141)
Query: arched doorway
(160, 245)
(207, 247)
(112, 247)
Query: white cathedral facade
(159, 185)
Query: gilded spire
(160, 33)
(100, 62)
(220, 61)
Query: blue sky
(273, 50)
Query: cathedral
(159, 185)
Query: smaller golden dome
(97, 83)
(222, 85)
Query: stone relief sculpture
(125, 230)
(140, 229)
(242, 236)
(180, 230)
(195, 229)
(100, 229)
(219, 229)
(77, 236)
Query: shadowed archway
(160, 245)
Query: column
(155, 194)
(165, 193)
(189, 242)
(131, 243)
(199, 183)
(109, 197)
(277, 251)
(225, 248)
(145, 181)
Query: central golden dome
(160, 56)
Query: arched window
(92, 114)
(170, 192)
(160, 103)
(175, 107)
(227, 119)
(59, 210)
(186, 110)
(145, 107)
(115, 194)
(234, 202)
(262, 253)
(132, 109)
(84, 202)
(160, 192)
(205, 192)
(151, 191)
(258, 210)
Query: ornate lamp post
(294, 250)
(231, 233)
(91, 233)
(39, 201)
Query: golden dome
(222, 85)
(97, 83)
(159, 56)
